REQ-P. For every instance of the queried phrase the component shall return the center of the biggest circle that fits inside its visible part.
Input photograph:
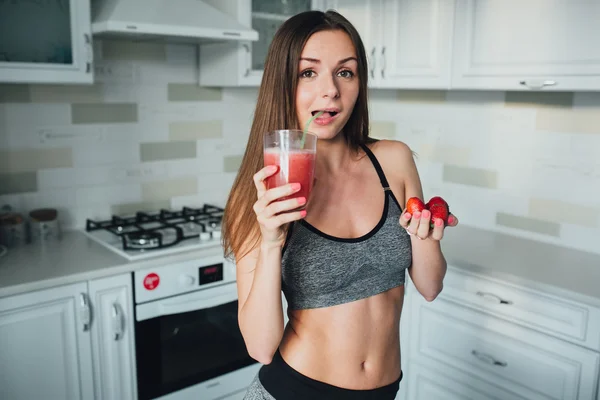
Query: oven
(188, 342)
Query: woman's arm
(260, 314)
(428, 267)
(428, 263)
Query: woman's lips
(325, 119)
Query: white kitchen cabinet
(408, 42)
(550, 314)
(113, 338)
(537, 44)
(235, 396)
(242, 63)
(430, 381)
(509, 347)
(415, 39)
(363, 14)
(46, 42)
(45, 345)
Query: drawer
(428, 381)
(531, 364)
(235, 396)
(569, 320)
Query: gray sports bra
(320, 270)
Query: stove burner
(142, 240)
(156, 230)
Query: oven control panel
(174, 278)
(210, 274)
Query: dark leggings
(284, 382)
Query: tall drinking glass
(294, 157)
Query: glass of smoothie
(293, 152)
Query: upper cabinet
(537, 44)
(437, 44)
(363, 14)
(414, 43)
(45, 41)
(242, 63)
(407, 41)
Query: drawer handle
(535, 84)
(488, 358)
(498, 298)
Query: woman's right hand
(272, 214)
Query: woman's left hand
(419, 225)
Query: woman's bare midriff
(353, 345)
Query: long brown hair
(276, 109)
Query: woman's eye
(309, 73)
(346, 73)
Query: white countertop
(75, 258)
(558, 270)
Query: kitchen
(150, 125)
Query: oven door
(192, 344)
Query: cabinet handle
(89, 52)
(85, 311)
(537, 84)
(498, 298)
(488, 359)
(248, 60)
(382, 61)
(118, 321)
(373, 62)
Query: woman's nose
(330, 88)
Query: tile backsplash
(524, 163)
(147, 136)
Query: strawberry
(414, 204)
(439, 209)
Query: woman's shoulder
(396, 160)
(391, 152)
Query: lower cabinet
(235, 396)
(45, 345)
(113, 338)
(459, 352)
(69, 342)
(432, 381)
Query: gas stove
(151, 234)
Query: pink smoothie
(295, 166)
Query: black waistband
(284, 382)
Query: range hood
(166, 20)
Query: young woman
(341, 263)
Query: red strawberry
(439, 209)
(414, 204)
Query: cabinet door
(427, 381)
(528, 363)
(549, 44)
(365, 15)
(235, 396)
(45, 41)
(113, 338)
(45, 345)
(415, 44)
(553, 315)
(242, 63)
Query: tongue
(326, 114)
